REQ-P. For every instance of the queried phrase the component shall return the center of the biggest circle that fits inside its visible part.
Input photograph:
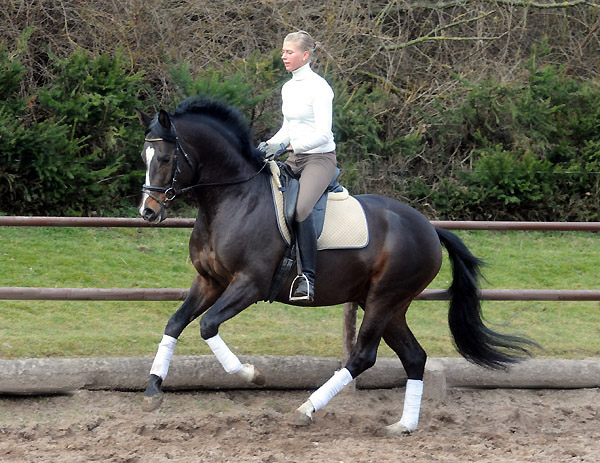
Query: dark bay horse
(236, 247)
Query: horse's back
(396, 216)
(403, 233)
(403, 251)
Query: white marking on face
(148, 155)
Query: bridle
(171, 192)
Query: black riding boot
(303, 287)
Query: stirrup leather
(308, 288)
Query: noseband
(171, 192)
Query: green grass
(155, 258)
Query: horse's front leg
(200, 298)
(239, 294)
(231, 363)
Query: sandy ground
(251, 426)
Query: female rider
(306, 132)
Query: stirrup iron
(306, 297)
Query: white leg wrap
(412, 404)
(160, 366)
(327, 391)
(230, 362)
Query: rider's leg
(306, 239)
(316, 172)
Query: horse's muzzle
(152, 213)
(150, 216)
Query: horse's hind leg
(398, 336)
(361, 358)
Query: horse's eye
(164, 160)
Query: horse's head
(220, 154)
(161, 154)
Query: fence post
(349, 336)
(349, 330)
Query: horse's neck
(219, 204)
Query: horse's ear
(144, 118)
(164, 120)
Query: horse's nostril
(148, 214)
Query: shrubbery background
(466, 110)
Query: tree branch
(435, 33)
(442, 5)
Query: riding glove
(272, 151)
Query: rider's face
(293, 58)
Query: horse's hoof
(152, 402)
(303, 415)
(300, 419)
(252, 374)
(397, 429)
(258, 378)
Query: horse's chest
(209, 263)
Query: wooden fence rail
(179, 294)
(25, 221)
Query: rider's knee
(302, 213)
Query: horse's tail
(473, 340)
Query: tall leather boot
(303, 286)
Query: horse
(205, 147)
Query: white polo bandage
(160, 366)
(327, 391)
(412, 404)
(230, 362)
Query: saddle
(290, 187)
(342, 225)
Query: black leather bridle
(170, 192)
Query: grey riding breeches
(316, 171)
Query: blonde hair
(304, 40)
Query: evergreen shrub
(528, 150)
(96, 97)
(35, 167)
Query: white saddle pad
(345, 224)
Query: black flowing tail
(473, 340)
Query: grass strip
(155, 258)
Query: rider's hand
(272, 151)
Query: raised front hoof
(152, 402)
(258, 377)
(397, 430)
(252, 374)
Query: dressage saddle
(290, 187)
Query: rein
(171, 192)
